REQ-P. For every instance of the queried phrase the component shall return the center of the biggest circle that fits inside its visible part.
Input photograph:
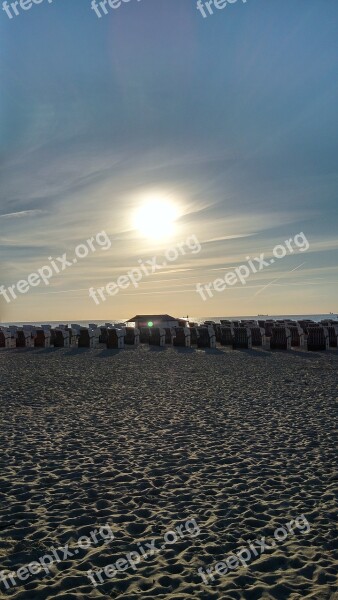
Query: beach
(236, 443)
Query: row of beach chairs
(277, 335)
(274, 335)
(114, 337)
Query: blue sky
(233, 117)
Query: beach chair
(74, 335)
(81, 337)
(144, 335)
(318, 339)
(258, 337)
(103, 332)
(193, 336)
(333, 335)
(169, 335)
(206, 337)
(157, 336)
(30, 335)
(61, 337)
(3, 338)
(268, 328)
(42, 339)
(249, 323)
(280, 338)
(306, 324)
(13, 330)
(23, 338)
(297, 336)
(242, 338)
(227, 336)
(94, 336)
(7, 338)
(47, 329)
(132, 336)
(182, 337)
(218, 332)
(115, 338)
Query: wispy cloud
(22, 213)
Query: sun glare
(156, 219)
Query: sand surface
(241, 441)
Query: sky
(231, 120)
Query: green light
(150, 324)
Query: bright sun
(156, 219)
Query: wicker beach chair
(86, 338)
(318, 338)
(206, 337)
(157, 336)
(333, 335)
(3, 338)
(24, 338)
(297, 336)
(249, 323)
(103, 335)
(170, 333)
(280, 338)
(7, 338)
(306, 324)
(94, 336)
(182, 337)
(268, 328)
(30, 335)
(193, 336)
(258, 336)
(115, 338)
(227, 336)
(217, 328)
(82, 338)
(42, 339)
(132, 336)
(61, 338)
(144, 335)
(242, 338)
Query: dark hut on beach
(154, 321)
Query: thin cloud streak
(22, 213)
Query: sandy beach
(241, 442)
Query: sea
(194, 319)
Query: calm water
(191, 318)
